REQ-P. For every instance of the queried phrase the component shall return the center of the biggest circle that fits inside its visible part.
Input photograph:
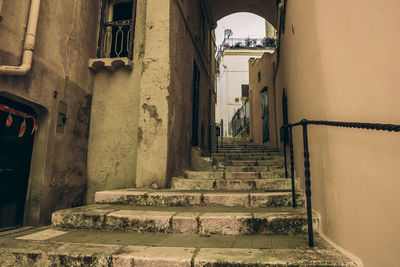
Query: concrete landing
(93, 248)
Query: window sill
(110, 64)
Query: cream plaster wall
(66, 39)
(154, 86)
(341, 63)
(264, 65)
(114, 131)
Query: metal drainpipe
(1, 6)
(29, 44)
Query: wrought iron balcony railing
(116, 39)
(241, 119)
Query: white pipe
(1, 7)
(29, 44)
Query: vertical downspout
(1, 7)
(29, 44)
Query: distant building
(232, 80)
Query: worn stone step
(244, 162)
(231, 173)
(232, 184)
(239, 155)
(89, 248)
(276, 171)
(162, 198)
(192, 221)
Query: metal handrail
(304, 123)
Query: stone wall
(66, 39)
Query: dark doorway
(265, 114)
(195, 111)
(15, 160)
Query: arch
(263, 8)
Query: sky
(242, 25)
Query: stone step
(62, 247)
(190, 221)
(246, 158)
(267, 155)
(160, 198)
(235, 175)
(276, 184)
(276, 171)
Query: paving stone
(273, 184)
(192, 184)
(173, 199)
(270, 257)
(235, 184)
(241, 175)
(185, 223)
(153, 256)
(225, 223)
(204, 175)
(42, 235)
(226, 199)
(139, 221)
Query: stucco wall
(66, 38)
(114, 132)
(264, 66)
(154, 86)
(341, 63)
(186, 48)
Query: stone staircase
(240, 214)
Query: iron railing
(287, 129)
(116, 39)
(245, 43)
(241, 119)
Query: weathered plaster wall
(154, 93)
(347, 70)
(187, 47)
(264, 65)
(114, 122)
(66, 38)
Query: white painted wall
(234, 71)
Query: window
(245, 90)
(259, 76)
(117, 28)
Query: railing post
(308, 184)
(292, 167)
(222, 132)
(283, 129)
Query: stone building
(122, 90)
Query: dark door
(265, 114)
(15, 159)
(195, 111)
